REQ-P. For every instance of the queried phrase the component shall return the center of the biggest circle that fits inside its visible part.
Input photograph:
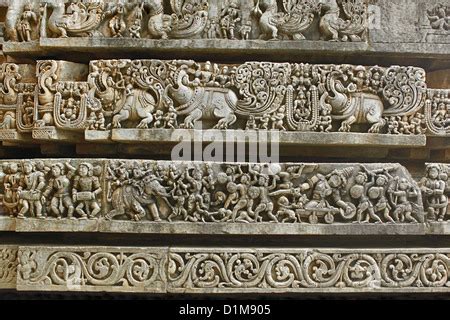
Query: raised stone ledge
(229, 270)
(130, 136)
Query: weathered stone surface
(92, 269)
(142, 78)
(307, 270)
(238, 27)
(60, 195)
(125, 101)
(8, 266)
(232, 270)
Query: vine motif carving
(307, 269)
(137, 270)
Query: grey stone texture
(231, 270)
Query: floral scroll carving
(226, 270)
(304, 270)
(8, 267)
(77, 270)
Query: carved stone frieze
(17, 100)
(232, 270)
(184, 94)
(193, 192)
(92, 269)
(335, 20)
(329, 270)
(157, 94)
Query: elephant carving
(132, 200)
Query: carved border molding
(92, 269)
(232, 270)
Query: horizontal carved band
(231, 270)
(214, 193)
(341, 20)
(150, 96)
(8, 266)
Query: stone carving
(435, 190)
(8, 267)
(336, 20)
(211, 193)
(47, 78)
(348, 24)
(176, 94)
(227, 270)
(87, 269)
(304, 270)
(296, 18)
(437, 111)
(28, 21)
(23, 20)
(149, 94)
(44, 189)
(75, 19)
(231, 19)
(189, 19)
(436, 23)
(16, 100)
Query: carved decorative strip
(156, 94)
(232, 270)
(336, 20)
(307, 270)
(437, 109)
(210, 193)
(8, 266)
(92, 269)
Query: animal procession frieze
(163, 191)
(183, 94)
(437, 109)
(333, 20)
